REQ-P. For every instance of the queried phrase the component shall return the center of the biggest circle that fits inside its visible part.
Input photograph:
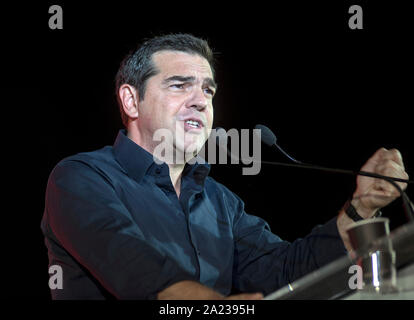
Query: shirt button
(198, 252)
(158, 171)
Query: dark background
(332, 95)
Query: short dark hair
(138, 66)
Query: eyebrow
(208, 81)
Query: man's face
(180, 99)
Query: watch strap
(353, 214)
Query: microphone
(269, 138)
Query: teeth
(192, 123)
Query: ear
(129, 99)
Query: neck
(175, 169)
(139, 138)
(175, 174)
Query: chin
(193, 149)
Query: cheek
(171, 105)
(210, 116)
(164, 111)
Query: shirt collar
(136, 161)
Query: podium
(332, 280)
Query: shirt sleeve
(263, 262)
(93, 226)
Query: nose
(198, 100)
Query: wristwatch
(353, 214)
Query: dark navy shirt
(116, 227)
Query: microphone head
(268, 137)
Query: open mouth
(192, 124)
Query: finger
(246, 296)
(392, 154)
(390, 168)
(388, 187)
(385, 188)
(374, 160)
(396, 156)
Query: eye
(177, 86)
(209, 91)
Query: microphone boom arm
(408, 206)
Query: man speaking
(122, 225)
